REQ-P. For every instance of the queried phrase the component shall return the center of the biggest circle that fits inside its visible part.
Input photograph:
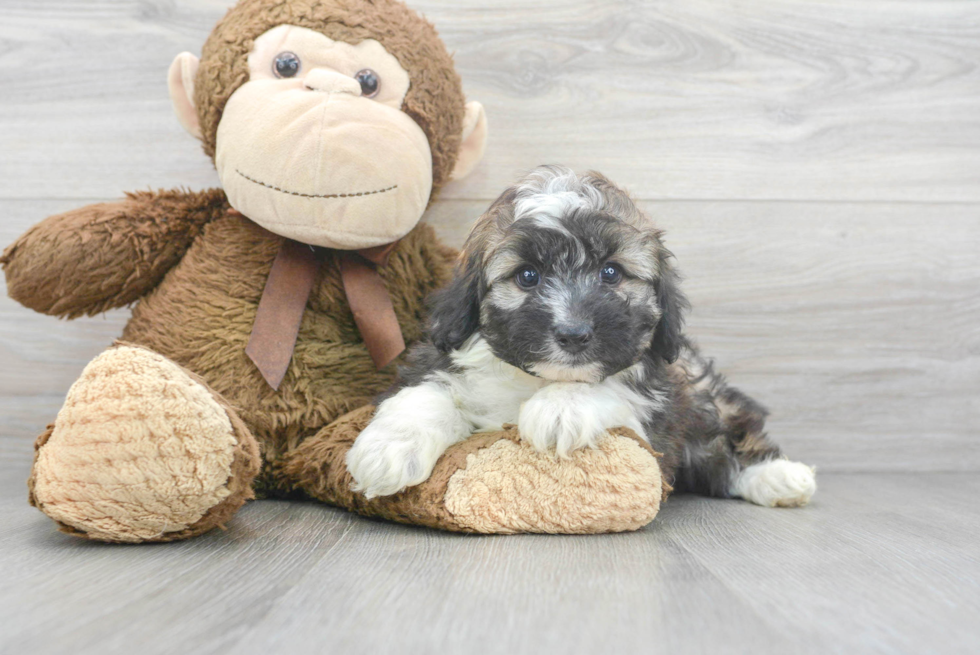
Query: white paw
(560, 417)
(387, 457)
(776, 483)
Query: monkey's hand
(107, 255)
(567, 416)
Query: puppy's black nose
(573, 338)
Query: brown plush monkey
(264, 310)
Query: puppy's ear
(454, 311)
(668, 338)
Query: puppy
(565, 317)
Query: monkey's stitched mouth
(313, 195)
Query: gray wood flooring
(879, 563)
(816, 164)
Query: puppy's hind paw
(776, 483)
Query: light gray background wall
(816, 165)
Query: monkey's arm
(107, 255)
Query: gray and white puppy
(565, 317)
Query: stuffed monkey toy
(266, 314)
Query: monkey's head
(332, 123)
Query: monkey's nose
(327, 81)
(574, 338)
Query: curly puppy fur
(565, 316)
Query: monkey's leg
(143, 450)
(494, 483)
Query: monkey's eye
(286, 65)
(527, 277)
(610, 274)
(369, 81)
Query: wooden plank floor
(879, 563)
(816, 164)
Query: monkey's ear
(474, 142)
(180, 80)
(454, 311)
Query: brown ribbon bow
(288, 288)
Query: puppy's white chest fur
(561, 415)
(488, 391)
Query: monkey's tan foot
(141, 451)
(496, 483)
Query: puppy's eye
(369, 81)
(528, 277)
(610, 274)
(286, 65)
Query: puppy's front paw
(386, 459)
(560, 417)
(776, 483)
